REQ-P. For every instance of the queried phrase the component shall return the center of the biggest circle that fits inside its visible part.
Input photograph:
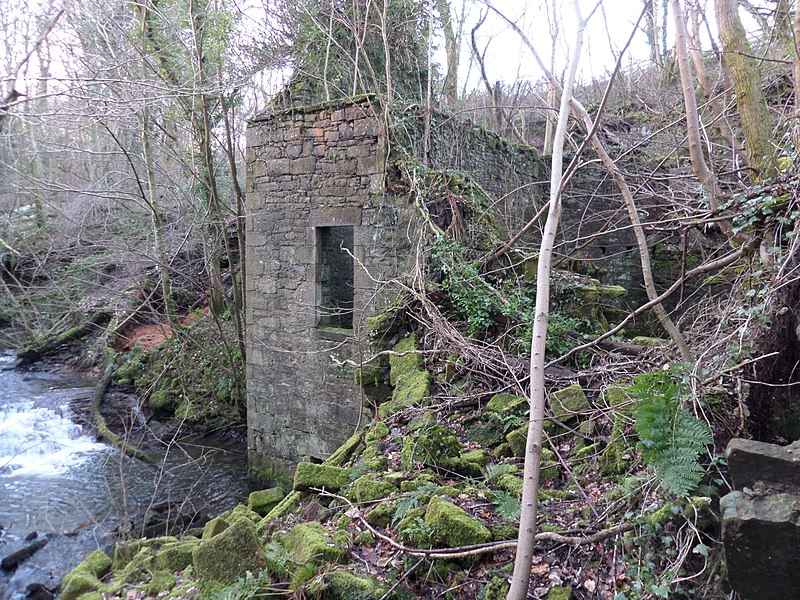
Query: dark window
(335, 273)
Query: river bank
(63, 494)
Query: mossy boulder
(489, 432)
(517, 439)
(175, 556)
(229, 555)
(91, 596)
(616, 458)
(435, 444)
(85, 578)
(78, 583)
(406, 361)
(263, 501)
(311, 475)
(381, 515)
(511, 484)
(367, 489)
(569, 403)
(311, 543)
(412, 389)
(451, 526)
(214, 527)
(507, 404)
(343, 585)
(376, 433)
(160, 581)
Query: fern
(671, 438)
(507, 506)
(412, 500)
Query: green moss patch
(263, 501)
(229, 555)
(569, 403)
(310, 543)
(367, 489)
(507, 403)
(310, 475)
(343, 585)
(451, 526)
(408, 360)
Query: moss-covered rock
(616, 458)
(511, 484)
(381, 515)
(376, 433)
(160, 581)
(517, 439)
(412, 389)
(263, 501)
(406, 361)
(507, 404)
(367, 489)
(343, 585)
(435, 445)
(176, 556)
(489, 432)
(451, 526)
(569, 403)
(310, 475)
(85, 578)
(214, 527)
(229, 555)
(91, 596)
(310, 543)
(479, 457)
(77, 583)
(503, 532)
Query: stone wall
(310, 169)
(320, 167)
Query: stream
(61, 487)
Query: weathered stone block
(761, 534)
(750, 461)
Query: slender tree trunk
(533, 448)
(755, 119)
(630, 204)
(450, 85)
(796, 72)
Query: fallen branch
(477, 549)
(103, 430)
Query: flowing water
(56, 480)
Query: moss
(503, 532)
(648, 342)
(310, 475)
(412, 484)
(376, 433)
(452, 526)
(263, 501)
(214, 527)
(365, 538)
(490, 432)
(568, 403)
(175, 557)
(77, 583)
(310, 543)
(556, 495)
(381, 515)
(367, 489)
(160, 581)
(559, 593)
(479, 457)
(435, 445)
(229, 555)
(511, 484)
(496, 589)
(91, 596)
(507, 404)
(241, 512)
(517, 439)
(412, 389)
(343, 585)
(97, 563)
(616, 458)
(408, 362)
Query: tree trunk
(533, 448)
(450, 85)
(755, 119)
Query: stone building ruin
(328, 220)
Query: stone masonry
(318, 215)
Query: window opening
(335, 274)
